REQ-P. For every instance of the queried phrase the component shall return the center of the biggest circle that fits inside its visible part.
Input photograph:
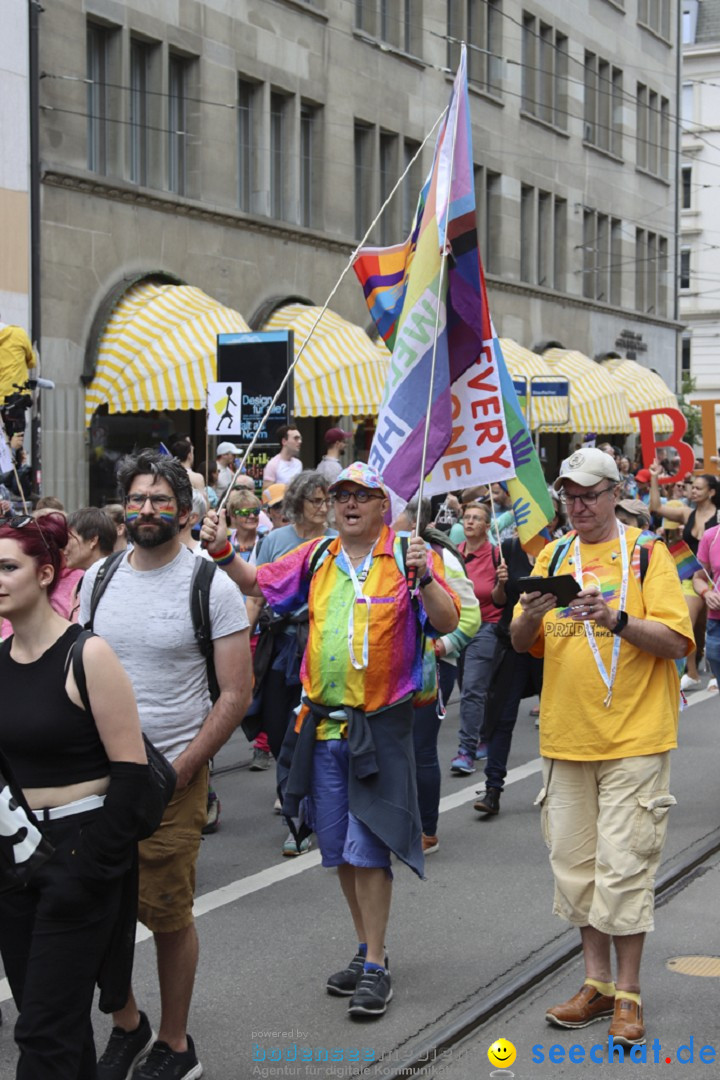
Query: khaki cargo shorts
(168, 859)
(605, 823)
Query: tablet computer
(563, 586)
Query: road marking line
(235, 890)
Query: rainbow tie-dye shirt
(396, 629)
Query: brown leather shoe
(627, 1028)
(587, 1006)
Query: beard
(151, 534)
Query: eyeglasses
(362, 495)
(23, 520)
(158, 502)
(246, 512)
(587, 500)
(317, 503)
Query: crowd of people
(276, 609)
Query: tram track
(419, 1059)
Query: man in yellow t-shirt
(16, 359)
(608, 720)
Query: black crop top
(49, 741)
(693, 542)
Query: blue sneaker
(462, 765)
(481, 751)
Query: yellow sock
(604, 988)
(629, 996)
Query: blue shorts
(341, 837)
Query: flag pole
(495, 522)
(426, 436)
(325, 306)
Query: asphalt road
(272, 929)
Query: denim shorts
(341, 837)
(712, 646)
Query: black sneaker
(162, 1063)
(343, 983)
(372, 994)
(125, 1050)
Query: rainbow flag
(477, 428)
(687, 564)
(415, 296)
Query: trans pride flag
(411, 291)
(477, 429)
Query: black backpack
(202, 576)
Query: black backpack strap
(74, 656)
(203, 573)
(319, 553)
(101, 582)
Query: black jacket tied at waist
(382, 791)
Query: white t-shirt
(280, 471)
(145, 616)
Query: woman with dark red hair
(84, 775)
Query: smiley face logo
(502, 1053)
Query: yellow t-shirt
(643, 715)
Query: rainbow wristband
(225, 557)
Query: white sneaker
(712, 685)
(686, 683)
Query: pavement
(272, 929)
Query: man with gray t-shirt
(144, 612)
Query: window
(396, 22)
(140, 110)
(248, 103)
(686, 189)
(543, 231)
(487, 209)
(178, 86)
(278, 154)
(411, 185)
(687, 103)
(544, 73)
(389, 230)
(653, 132)
(684, 268)
(364, 167)
(479, 24)
(603, 104)
(651, 273)
(98, 61)
(309, 164)
(601, 257)
(655, 15)
(686, 357)
(689, 21)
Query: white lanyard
(589, 630)
(360, 597)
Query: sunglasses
(362, 495)
(246, 512)
(158, 502)
(22, 521)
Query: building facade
(15, 168)
(700, 213)
(245, 148)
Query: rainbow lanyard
(609, 680)
(360, 597)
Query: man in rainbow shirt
(362, 666)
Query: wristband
(622, 621)
(224, 557)
(427, 577)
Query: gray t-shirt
(145, 616)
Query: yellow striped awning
(341, 371)
(597, 402)
(643, 389)
(548, 412)
(158, 350)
